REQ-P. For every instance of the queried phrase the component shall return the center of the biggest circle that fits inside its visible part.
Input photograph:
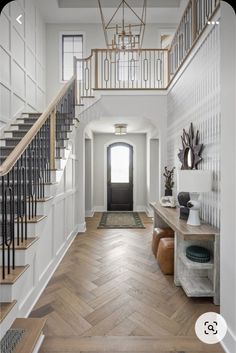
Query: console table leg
(176, 263)
(216, 271)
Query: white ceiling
(115, 3)
(134, 125)
(87, 11)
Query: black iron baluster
(3, 226)
(24, 201)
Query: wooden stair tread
(5, 308)
(25, 244)
(10, 138)
(21, 124)
(36, 219)
(45, 199)
(51, 182)
(33, 330)
(31, 113)
(14, 275)
(16, 131)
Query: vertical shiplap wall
(22, 60)
(195, 98)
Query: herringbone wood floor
(108, 295)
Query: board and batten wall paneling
(195, 97)
(22, 61)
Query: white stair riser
(50, 189)
(2, 143)
(60, 163)
(8, 134)
(56, 176)
(33, 229)
(10, 292)
(15, 127)
(44, 207)
(24, 257)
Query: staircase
(33, 154)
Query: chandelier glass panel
(124, 29)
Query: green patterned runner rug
(119, 220)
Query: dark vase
(168, 192)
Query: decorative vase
(168, 192)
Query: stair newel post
(53, 140)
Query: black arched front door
(120, 177)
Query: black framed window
(72, 45)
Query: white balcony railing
(148, 69)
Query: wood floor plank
(127, 344)
(109, 295)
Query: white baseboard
(229, 342)
(89, 213)
(149, 211)
(81, 228)
(140, 208)
(100, 209)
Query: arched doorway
(120, 177)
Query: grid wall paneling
(22, 58)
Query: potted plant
(169, 183)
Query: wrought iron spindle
(24, 184)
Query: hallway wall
(195, 97)
(100, 143)
(228, 175)
(22, 58)
(204, 93)
(89, 177)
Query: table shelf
(196, 265)
(197, 286)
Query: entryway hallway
(108, 295)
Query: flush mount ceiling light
(120, 129)
(124, 30)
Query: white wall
(22, 61)
(154, 170)
(204, 93)
(195, 97)
(89, 177)
(228, 173)
(101, 141)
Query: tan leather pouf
(157, 234)
(165, 255)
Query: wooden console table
(196, 279)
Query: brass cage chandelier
(123, 34)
